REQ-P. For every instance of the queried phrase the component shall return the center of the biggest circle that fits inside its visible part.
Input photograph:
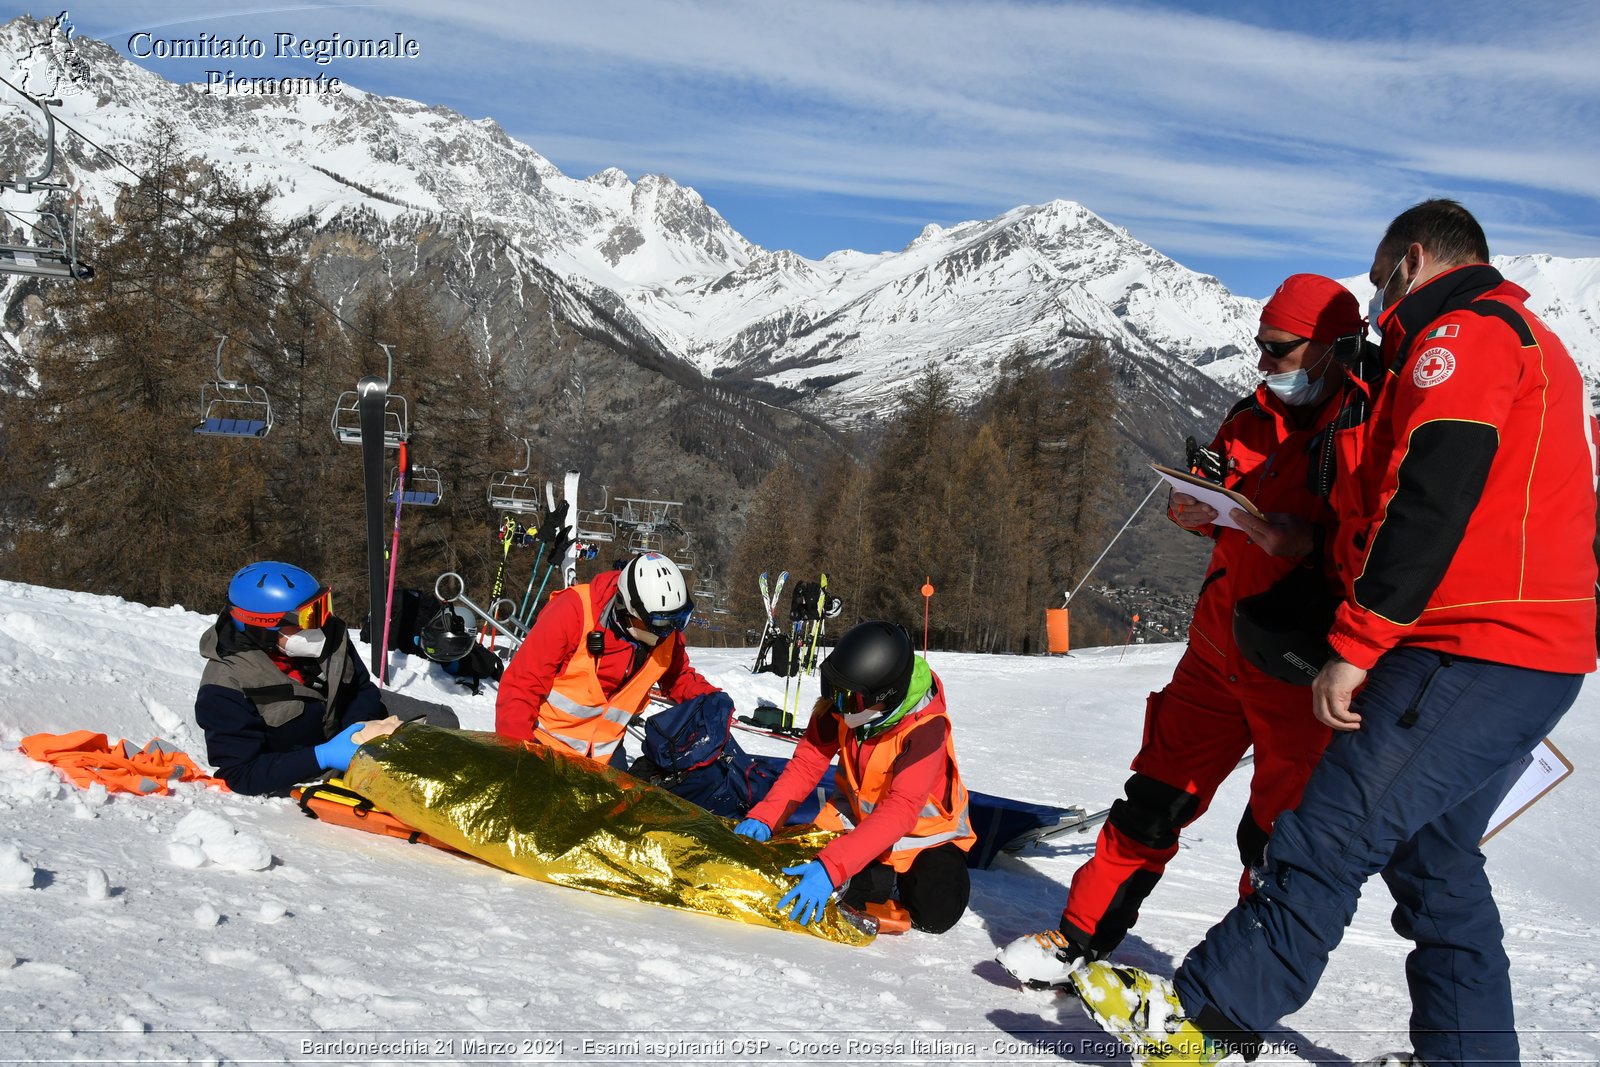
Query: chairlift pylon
(346, 423)
(516, 491)
(232, 409)
(57, 256)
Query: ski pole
(394, 559)
(521, 616)
(548, 570)
(1159, 483)
(1134, 625)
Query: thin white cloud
(1204, 134)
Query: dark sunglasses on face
(1280, 349)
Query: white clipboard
(1542, 770)
(1209, 493)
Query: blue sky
(1249, 140)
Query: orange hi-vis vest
(859, 789)
(577, 714)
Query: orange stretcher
(332, 802)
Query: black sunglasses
(1280, 349)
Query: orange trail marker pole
(927, 598)
(1131, 627)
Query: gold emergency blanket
(574, 822)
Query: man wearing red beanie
(1270, 448)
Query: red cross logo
(1433, 367)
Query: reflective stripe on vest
(578, 745)
(937, 827)
(578, 713)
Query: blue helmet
(260, 594)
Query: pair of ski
(809, 608)
(772, 656)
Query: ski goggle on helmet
(654, 589)
(271, 595)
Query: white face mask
(1295, 387)
(1376, 306)
(304, 644)
(861, 718)
(645, 637)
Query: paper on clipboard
(1541, 770)
(1210, 494)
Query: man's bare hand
(1279, 534)
(1189, 513)
(1332, 692)
(375, 729)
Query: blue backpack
(689, 750)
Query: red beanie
(1309, 305)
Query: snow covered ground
(351, 948)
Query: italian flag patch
(1448, 330)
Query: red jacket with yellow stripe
(1468, 526)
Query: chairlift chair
(232, 409)
(516, 491)
(346, 423)
(57, 255)
(641, 541)
(423, 488)
(596, 526)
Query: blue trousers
(1408, 795)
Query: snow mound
(15, 872)
(202, 836)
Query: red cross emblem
(1433, 367)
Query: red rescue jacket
(1264, 450)
(1469, 525)
(908, 778)
(553, 649)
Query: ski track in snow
(123, 938)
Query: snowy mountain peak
(610, 178)
(654, 260)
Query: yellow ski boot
(1143, 1011)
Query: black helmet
(444, 637)
(1284, 631)
(874, 659)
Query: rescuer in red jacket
(898, 790)
(1466, 547)
(592, 656)
(1218, 705)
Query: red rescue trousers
(1195, 732)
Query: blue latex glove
(810, 894)
(336, 753)
(753, 828)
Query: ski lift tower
(46, 246)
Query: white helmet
(652, 588)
